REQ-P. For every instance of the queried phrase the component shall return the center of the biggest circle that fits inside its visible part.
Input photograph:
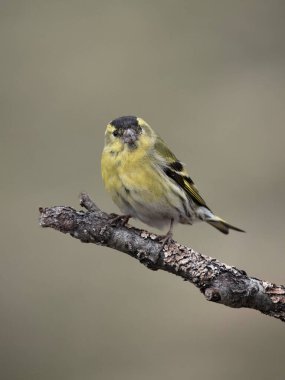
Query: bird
(147, 182)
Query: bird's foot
(166, 239)
(119, 220)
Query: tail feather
(222, 225)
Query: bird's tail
(222, 225)
(204, 213)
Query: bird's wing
(174, 169)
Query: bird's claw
(119, 220)
(166, 239)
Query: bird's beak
(129, 136)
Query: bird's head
(130, 131)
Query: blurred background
(210, 78)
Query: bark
(218, 282)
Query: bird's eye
(115, 133)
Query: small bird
(148, 182)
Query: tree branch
(218, 282)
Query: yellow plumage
(146, 180)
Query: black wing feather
(186, 183)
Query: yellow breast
(126, 170)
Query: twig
(218, 282)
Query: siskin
(148, 182)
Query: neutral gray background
(209, 77)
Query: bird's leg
(166, 238)
(119, 220)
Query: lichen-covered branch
(218, 282)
